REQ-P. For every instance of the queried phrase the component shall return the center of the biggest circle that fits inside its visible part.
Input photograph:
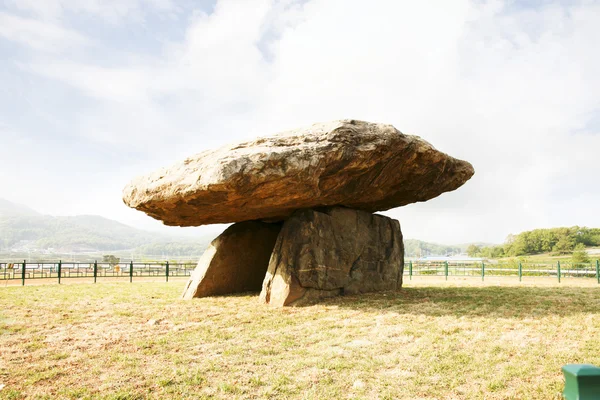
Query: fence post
(598, 271)
(582, 381)
(59, 270)
(167, 271)
(558, 270)
(23, 273)
(95, 270)
(482, 271)
(410, 272)
(131, 271)
(520, 272)
(446, 269)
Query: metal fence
(64, 270)
(557, 270)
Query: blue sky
(95, 92)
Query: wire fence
(97, 270)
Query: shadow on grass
(498, 302)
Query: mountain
(22, 229)
(8, 208)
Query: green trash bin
(582, 382)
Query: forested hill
(419, 248)
(22, 228)
(9, 209)
(555, 240)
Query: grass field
(432, 340)
(548, 258)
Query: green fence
(518, 270)
(60, 270)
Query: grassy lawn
(432, 340)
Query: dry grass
(432, 340)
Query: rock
(358, 384)
(355, 164)
(236, 261)
(332, 251)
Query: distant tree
(418, 248)
(492, 252)
(580, 256)
(564, 245)
(111, 260)
(547, 240)
(473, 250)
(498, 252)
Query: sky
(96, 92)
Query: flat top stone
(356, 164)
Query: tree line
(419, 248)
(556, 241)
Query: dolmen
(302, 205)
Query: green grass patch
(138, 341)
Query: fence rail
(558, 270)
(64, 270)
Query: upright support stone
(332, 251)
(236, 261)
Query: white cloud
(112, 11)
(118, 85)
(511, 90)
(39, 35)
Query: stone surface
(333, 251)
(236, 261)
(360, 165)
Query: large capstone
(333, 251)
(236, 261)
(360, 165)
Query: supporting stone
(236, 261)
(323, 253)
